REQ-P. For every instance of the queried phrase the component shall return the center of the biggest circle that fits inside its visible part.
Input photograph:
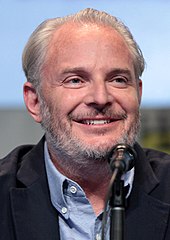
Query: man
(84, 88)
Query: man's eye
(73, 82)
(119, 82)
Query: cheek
(64, 102)
(130, 103)
(70, 99)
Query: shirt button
(64, 210)
(98, 237)
(73, 189)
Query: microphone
(122, 157)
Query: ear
(140, 90)
(32, 102)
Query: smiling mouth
(97, 121)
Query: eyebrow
(120, 71)
(81, 70)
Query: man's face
(90, 93)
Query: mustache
(100, 114)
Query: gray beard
(70, 150)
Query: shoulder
(153, 154)
(10, 163)
(9, 166)
(154, 163)
(157, 158)
(153, 171)
(160, 164)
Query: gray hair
(36, 48)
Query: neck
(93, 178)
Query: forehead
(77, 30)
(86, 45)
(71, 34)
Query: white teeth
(95, 122)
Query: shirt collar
(56, 181)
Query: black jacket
(26, 212)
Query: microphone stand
(121, 159)
(117, 204)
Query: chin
(102, 145)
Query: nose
(98, 95)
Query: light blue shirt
(77, 219)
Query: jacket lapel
(146, 216)
(33, 214)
